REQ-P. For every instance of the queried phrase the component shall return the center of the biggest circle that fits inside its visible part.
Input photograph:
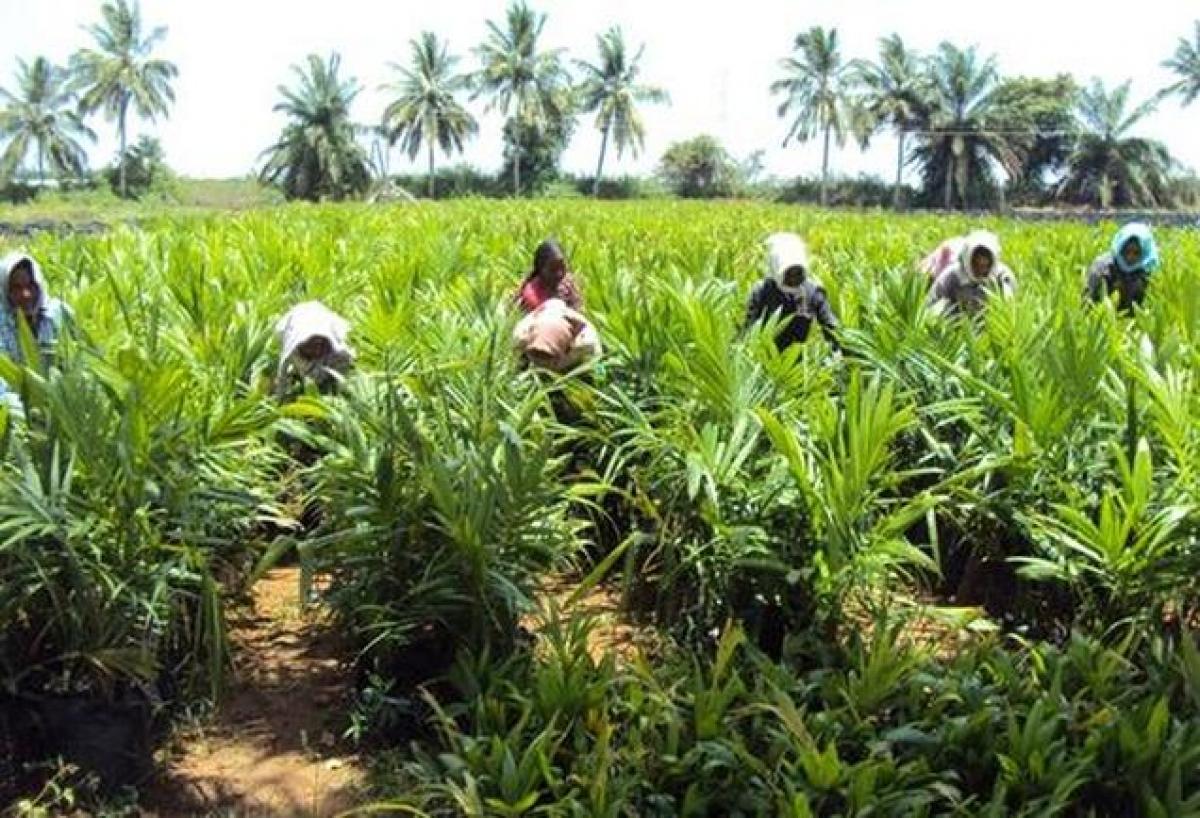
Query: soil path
(271, 748)
(612, 632)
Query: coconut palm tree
(610, 89)
(964, 131)
(425, 109)
(40, 116)
(1186, 64)
(817, 84)
(1108, 166)
(120, 72)
(524, 83)
(318, 155)
(893, 93)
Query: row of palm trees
(528, 84)
(964, 118)
(45, 117)
(954, 116)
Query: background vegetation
(976, 137)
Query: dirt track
(272, 748)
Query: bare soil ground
(929, 625)
(612, 631)
(272, 747)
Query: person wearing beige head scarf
(974, 275)
(553, 336)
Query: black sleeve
(825, 317)
(756, 306)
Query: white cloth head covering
(312, 319)
(973, 241)
(9, 263)
(784, 251)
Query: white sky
(715, 58)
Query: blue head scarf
(1148, 262)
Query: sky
(716, 59)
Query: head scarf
(545, 332)
(308, 320)
(784, 251)
(49, 312)
(973, 242)
(8, 266)
(1148, 262)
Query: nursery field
(950, 570)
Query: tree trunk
(825, 170)
(600, 164)
(948, 187)
(432, 191)
(899, 194)
(516, 157)
(41, 165)
(966, 182)
(121, 156)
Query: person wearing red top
(550, 278)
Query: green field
(102, 206)
(1023, 487)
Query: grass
(182, 196)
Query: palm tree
(524, 83)
(610, 89)
(964, 130)
(1108, 166)
(817, 84)
(425, 109)
(41, 116)
(120, 72)
(1186, 64)
(894, 93)
(318, 154)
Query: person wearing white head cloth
(313, 343)
(973, 276)
(790, 291)
(27, 300)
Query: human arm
(1007, 282)
(823, 312)
(568, 291)
(756, 306)
(942, 288)
(1096, 281)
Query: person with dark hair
(1125, 269)
(549, 278)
